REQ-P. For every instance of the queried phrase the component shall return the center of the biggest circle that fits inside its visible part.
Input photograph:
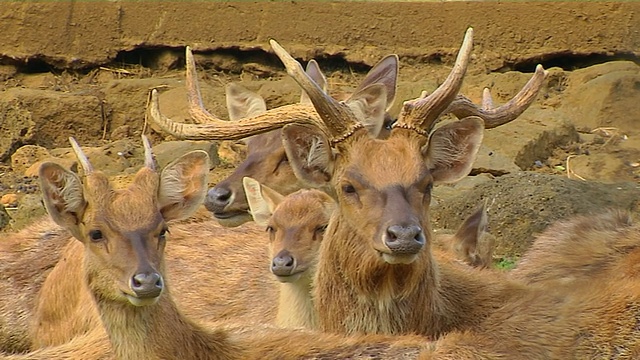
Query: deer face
(266, 159)
(124, 230)
(295, 223)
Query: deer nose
(147, 285)
(282, 264)
(404, 240)
(217, 198)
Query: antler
(338, 118)
(149, 159)
(421, 114)
(82, 158)
(493, 117)
(210, 127)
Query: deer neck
(159, 331)
(355, 291)
(295, 308)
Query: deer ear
(63, 196)
(452, 149)
(309, 154)
(243, 103)
(183, 185)
(262, 200)
(368, 105)
(384, 72)
(470, 231)
(314, 72)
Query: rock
(166, 60)
(30, 207)
(534, 135)
(127, 99)
(68, 164)
(5, 219)
(16, 124)
(47, 118)
(168, 151)
(604, 95)
(493, 162)
(526, 203)
(9, 200)
(121, 132)
(26, 156)
(230, 152)
(7, 71)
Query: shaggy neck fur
(159, 332)
(295, 308)
(427, 297)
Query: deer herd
(348, 266)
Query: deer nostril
(147, 284)
(217, 198)
(283, 264)
(404, 239)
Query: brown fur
(576, 249)
(154, 328)
(587, 309)
(26, 258)
(355, 289)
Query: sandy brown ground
(85, 70)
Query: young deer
(295, 224)
(377, 272)
(266, 159)
(124, 234)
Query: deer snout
(147, 285)
(218, 198)
(283, 264)
(404, 240)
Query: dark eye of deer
(348, 189)
(428, 189)
(320, 229)
(282, 161)
(270, 229)
(95, 235)
(163, 234)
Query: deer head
(295, 224)
(383, 187)
(124, 230)
(266, 159)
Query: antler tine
(338, 119)
(149, 159)
(487, 99)
(421, 114)
(462, 107)
(197, 110)
(82, 158)
(233, 130)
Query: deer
(471, 243)
(296, 225)
(586, 308)
(377, 272)
(123, 234)
(577, 249)
(266, 159)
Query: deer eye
(95, 235)
(270, 229)
(321, 229)
(163, 234)
(348, 189)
